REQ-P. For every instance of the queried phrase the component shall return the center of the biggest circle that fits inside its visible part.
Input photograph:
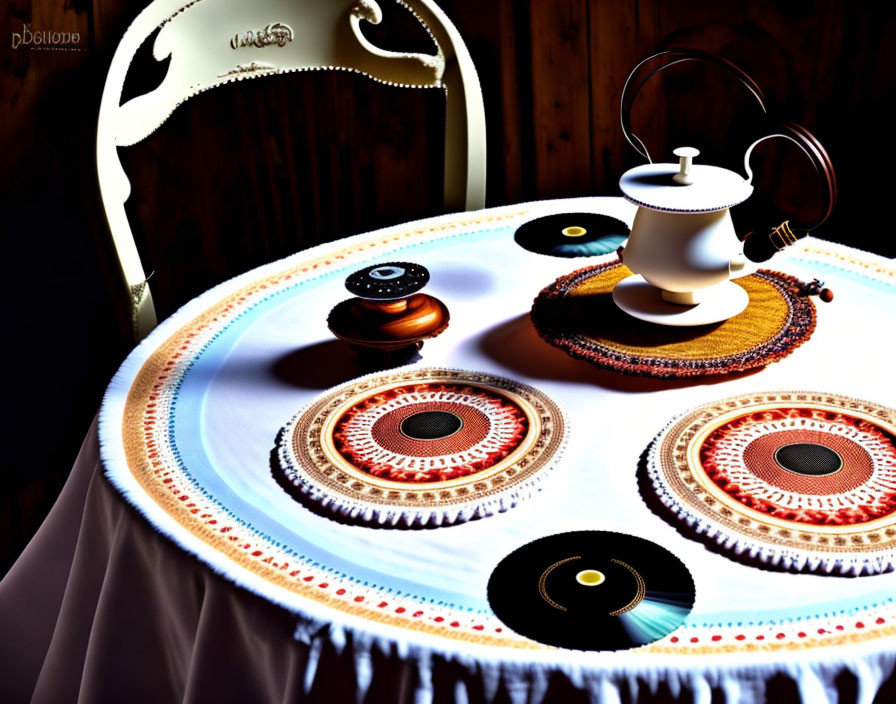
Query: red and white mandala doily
(424, 446)
(796, 479)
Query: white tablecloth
(245, 387)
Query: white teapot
(682, 239)
(683, 248)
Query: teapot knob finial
(686, 158)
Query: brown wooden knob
(388, 325)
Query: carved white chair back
(212, 42)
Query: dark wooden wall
(249, 173)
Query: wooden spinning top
(387, 312)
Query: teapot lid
(684, 187)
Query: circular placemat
(796, 479)
(577, 314)
(418, 447)
(592, 590)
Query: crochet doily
(795, 479)
(424, 446)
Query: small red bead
(826, 295)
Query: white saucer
(642, 300)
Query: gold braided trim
(639, 594)
(544, 578)
(785, 235)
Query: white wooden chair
(212, 42)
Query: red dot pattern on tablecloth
(777, 634)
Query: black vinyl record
(592, 590)
(572, 235)
(387, 281)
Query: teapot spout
(760, 247)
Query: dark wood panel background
(246, 174)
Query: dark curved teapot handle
(759, 246)
(814, 151)
(671, 57)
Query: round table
(190, 422)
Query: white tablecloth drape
(120, 605)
